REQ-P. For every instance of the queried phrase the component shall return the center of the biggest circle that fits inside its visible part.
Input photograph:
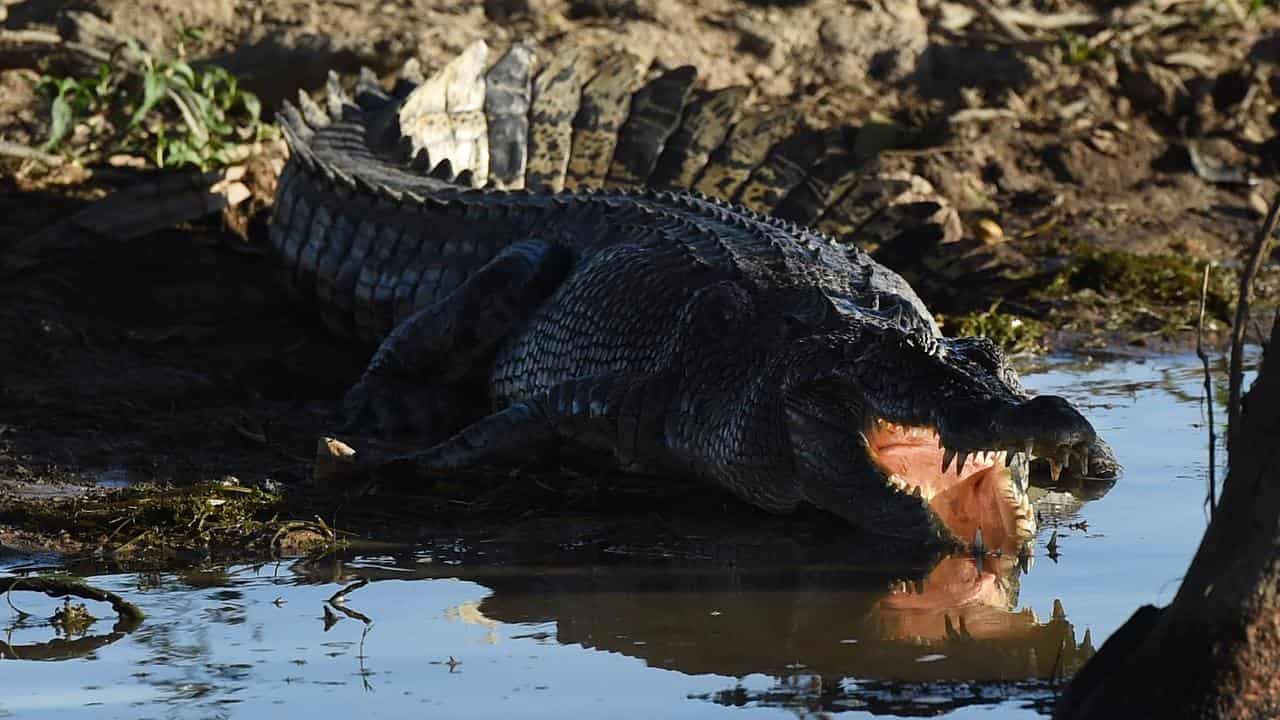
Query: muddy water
(440, 632)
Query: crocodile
(646, 272)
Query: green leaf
(154, 87)
(105, 82)
(252, 105)
(59, 121)
(162, 143)
(184, 71)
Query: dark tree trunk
(1214, 652)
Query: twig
(8, 597)
(340, 597)
(1047, 21)
(54, 587)
(23, 152)
(1235, 378)
(353, 614)
(52, 42)
(364, 672)
(1011, 30)
(339, 602)
(1212, 500)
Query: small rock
(298, 542)
(1258, 205)
(129, 161)
(955, 17)
(988, 231)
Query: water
(454, 636)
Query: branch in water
(56, 587)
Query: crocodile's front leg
(407, 383)
(621, 415)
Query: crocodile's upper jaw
(980, 497)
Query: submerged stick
(340, 597)
(55, 587)
(339, 602)
(1236, 376)
(1212, 500)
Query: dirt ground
(1099, 154)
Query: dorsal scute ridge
(290, 116)
(444, 167)
(444, 114)
(339, 103)
(420, 162)
(365, 187)
(442, 171)
(342, 178)
(311, 112)
(370, 96)
(403, 152)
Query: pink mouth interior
(979, 497)
(956, 593)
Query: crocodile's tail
(588, 121)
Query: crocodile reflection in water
(958, 623)
(772, 604)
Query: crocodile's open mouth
(979, 496)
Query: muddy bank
(1097, 162)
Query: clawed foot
(340, 468)
(387, 405)
(336, 463)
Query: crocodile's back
(392, 199)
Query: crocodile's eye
(984, 354)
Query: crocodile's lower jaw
(980, 502)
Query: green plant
(166, 109)
(1257, 6)
(74, 98)
(1165, 279)
(1016, 334)
(1076, 49)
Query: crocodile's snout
(1049, 427)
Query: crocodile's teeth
(1025, 525)
(917, 493)
(1026, 559)
(947, 456)
(1055, 469)
(1009, 457)
(1083, 458)
(960, 464)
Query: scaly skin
(680, 333)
